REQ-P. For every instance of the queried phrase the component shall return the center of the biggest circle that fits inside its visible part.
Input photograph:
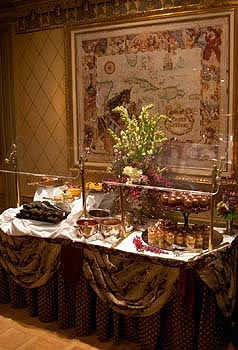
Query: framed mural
(183, 66)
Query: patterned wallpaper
(40, 104)
(40, 70)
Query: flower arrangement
(137, 149)
(138, 146)
(227, 208)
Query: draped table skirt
(74, 304)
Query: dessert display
(69, 195)
(63, 198)
(95, 186)
(73, 191)
(42, 211)
(165, 233)
(47, 181)
(184, 201)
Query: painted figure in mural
(210, 135)
(120, 99)
(213, 42)
(112, 120)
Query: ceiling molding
(32, 15)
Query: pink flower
(141, 246)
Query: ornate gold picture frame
(182, 65)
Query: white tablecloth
(67, 228)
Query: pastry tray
(217, 239)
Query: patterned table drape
(218, 271)
(162, 304)
(129, 283)
(142, 285)
(30, 261)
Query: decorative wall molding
(41, 15)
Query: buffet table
(160, 300)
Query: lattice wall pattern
(40, 103)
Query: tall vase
(229, 227)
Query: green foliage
(141, 137)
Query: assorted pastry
(73, 191)
(41, 211)
(95, 186)
(184, 201)
(68, 196)
(164, 233)
(47, 181)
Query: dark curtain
(7, 114)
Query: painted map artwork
(180, 69)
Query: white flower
(134, 174)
